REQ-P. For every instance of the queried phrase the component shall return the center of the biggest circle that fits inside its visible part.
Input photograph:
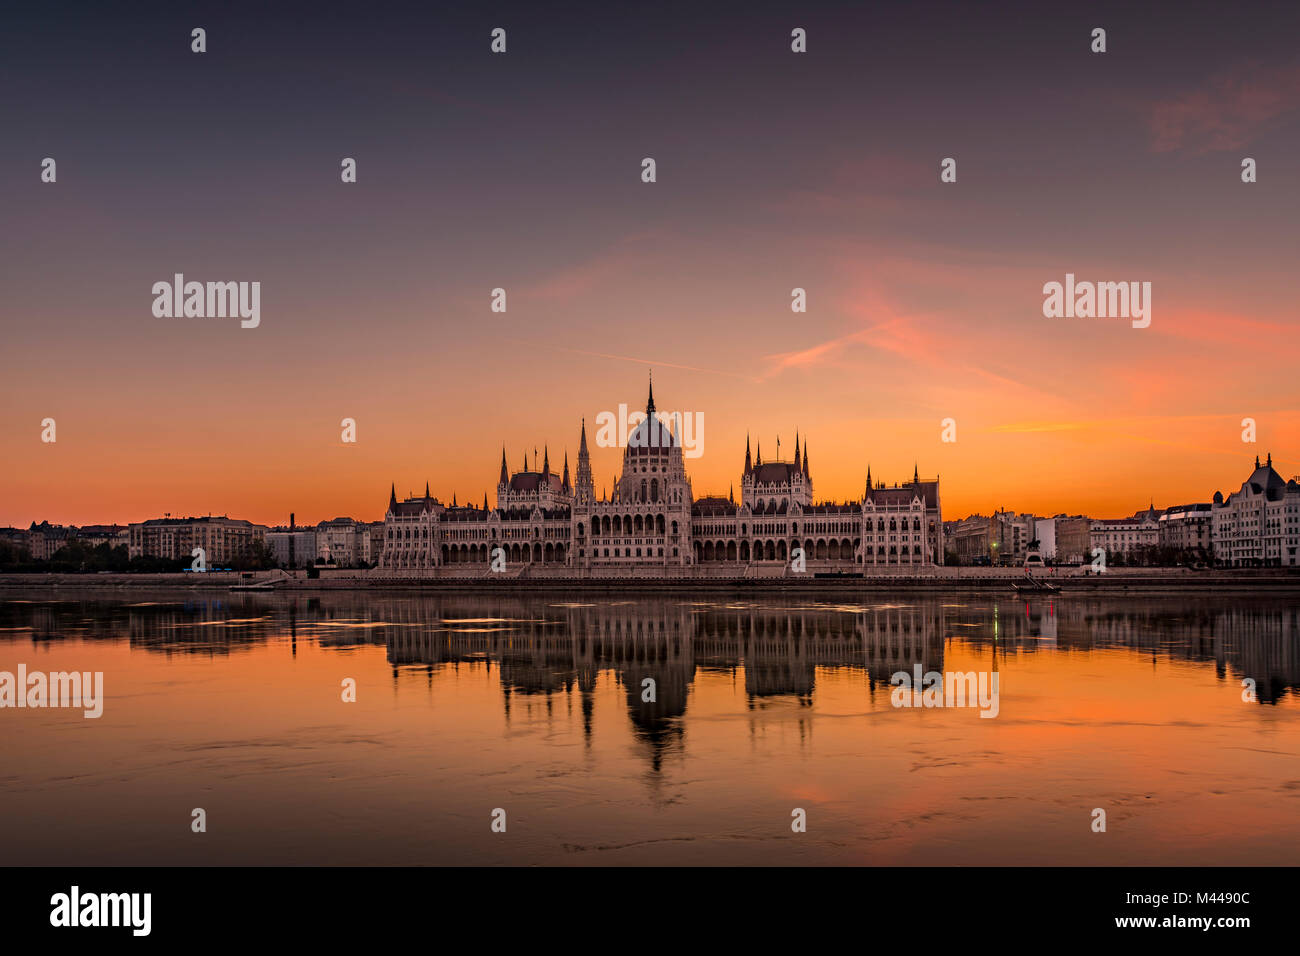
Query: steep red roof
(775, 472)
(712, 505)
(927, 491)
(528, 481)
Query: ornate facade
(652, 524)
(1259, 524)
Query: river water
(679, 730)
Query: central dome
(650, 435)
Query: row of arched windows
(514, 553)
(627, 525)
(776, 550)
(895, 524)
(627, 552)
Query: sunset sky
(775, 170)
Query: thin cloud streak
(1228, 112)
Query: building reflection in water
(779, 649)
(544, 649)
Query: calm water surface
(233, 703)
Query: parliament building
(652, 525)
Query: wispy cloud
(1024, 427)
(571, 283)
(1228, 112)
(875, 336)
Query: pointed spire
(796, 448)
(806, 473)
(1270, 459)
(453, 500)
(392, 497)
(426, 489)
(546, 460)
(731, 495)
(485, 507)
(505, 475)
(758, 459)
(525, 468)
(650, 399)
(868, 476)
(748, 464)
(916, 474)
(566, 470)
(584, 487)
